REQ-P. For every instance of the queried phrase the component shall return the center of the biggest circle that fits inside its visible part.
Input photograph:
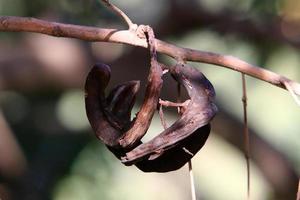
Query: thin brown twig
(246, 134)
(192, 181)
(164, 124)
(290, 89)
(298, 193)
(24, 24)
(119, 12)
(190, 166)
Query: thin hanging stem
(246, 134)
(190, 166)
(192, 182)
(164, 124)
(298, 193)
(291, 91)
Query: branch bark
(24, 24)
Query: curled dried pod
(197, 113)
(96, 83)
(108, 116)
(177, 156)
(170, 150)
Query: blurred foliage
(70, 101)
(65, 161)
(266, 7)
(219, 5)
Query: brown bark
(23, 24)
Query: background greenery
(48, 150)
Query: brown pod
(177, 156)
(197, 113)
(108, 119)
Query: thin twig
(119, 12)
(192, 182)
(298, 193)
(246, 134)
(290, 89)
(190, 166)
(163, 122)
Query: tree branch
(24, 24)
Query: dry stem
(290, 89)
(192, 182)
(298, 193)
(164, 124)
(246, 134)
(190, 166)
(24, 24)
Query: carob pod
(198, 111)
(110, 117)
(101, 117)
(177, 156)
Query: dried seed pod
(108, 116)
(198, 112)
(177, 156)
(120, 102)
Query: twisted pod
(110, 116)
(198, 111)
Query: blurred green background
(47, 148)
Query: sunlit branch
(24, 24)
